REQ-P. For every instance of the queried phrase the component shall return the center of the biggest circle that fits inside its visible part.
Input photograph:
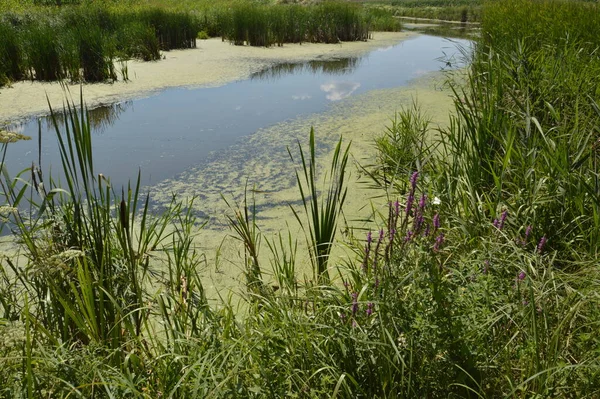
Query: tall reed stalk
(322, 208)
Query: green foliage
(322, 212)
(526, 132)
(83, 43)
(266, 25)
(404, 144)
(202, 35)
(480, 278)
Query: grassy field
(481, 279)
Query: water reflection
(339, 90)
(444, 29)
(100, 118)
(337, 66)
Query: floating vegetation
(11, 137)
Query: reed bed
(327, 22)
(82, 42)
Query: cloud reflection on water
(339, 90)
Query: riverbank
(212, 63)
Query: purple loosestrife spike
(376, 283)
(418, 222)
(368, 245)
(502, 220)
(426, 232)
(438, 242)
(392, 234)
(413, 181)
(354, 303)
(369, 309)
(436, 221)
(397, 207)
(409, 203)
(496, 223)
(422, 202)
(409, 235)
(521, 276)
(528, 232)
(541, 244)
(381, 235)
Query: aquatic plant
(322, 211)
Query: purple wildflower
(413, 181)
(436, 221)
(541, 244)
(381, 235)
(418, 222)
(409, 203)
(409, 235)
(525, 302)
(397, 207)
(521, 276)
(426, 232)
(486, 266)
(422, 202)
(496, 223)
(369, 238)
(392, 234)
(438, 242)
(528, 232)
(369, 309)
(376, 283)
(354, 303)
(502, 220)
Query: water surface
(175, 129)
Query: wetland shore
(212, 63)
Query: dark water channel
(176, 128)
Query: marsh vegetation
(480, 278)
(91, 41)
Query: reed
(11, 62)
(263, 25)
(83, 43)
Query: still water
(177, 128)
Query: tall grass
(83, 43)
(263, 25)
(527, 127)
